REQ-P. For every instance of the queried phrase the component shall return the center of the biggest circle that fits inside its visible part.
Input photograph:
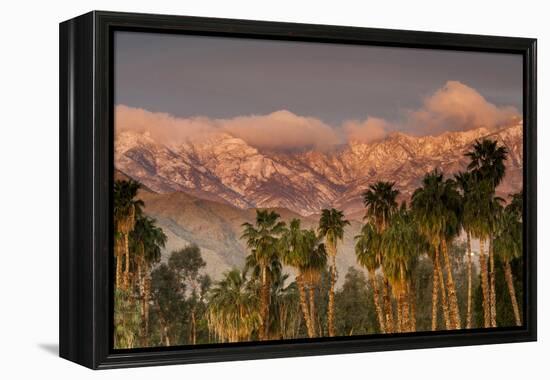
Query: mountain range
(202, 191)
(226, 169)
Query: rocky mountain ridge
(223, 168)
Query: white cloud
(453, 107)
(281, 130)
(457, 106)
(277, 130)
(369, 130)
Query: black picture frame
(86, 176)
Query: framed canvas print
(237, 189)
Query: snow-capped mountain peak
(221, 167)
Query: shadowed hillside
(216, 229)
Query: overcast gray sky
(189, 76)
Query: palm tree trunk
(303, 305)
(399, 326)
(376, 296)
(331, 331)
(127, 260)
(388, 308)
(193, 326)
(435, 284)
(264, 309)
(512, 291)
(118, 276)
(146, 298)
(492, 283)
(484, 285)
(141, 303)
(469, 301)
(412, 304)
(311, 292)
(405, 322)
(453, 301)
(444, 303)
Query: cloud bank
(281, 130)
(278, 130)
(453, 107)
(457, 107)
(161, 126)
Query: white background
(29, 187)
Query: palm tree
(295, 255)
(285, 312)
(331, 227)
(126, 321)
(438, 281)
(495, 208)
(304, 250)
(262, 240)
(487, 163)
(477, 216)
(233, 308)
(516, 205)
(403, 244)
(368, 252)
(126, 209)
(436, 207)
(508, 245)
(315, 264)
(465, 182)
(380, 203)
(148, 241)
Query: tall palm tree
(496, 208)
(508, 245)
(126, 209)
(466, 183)
(481, 222)
(403, 244)
(262, 239)
(439, 282)
(380, 201)
(233, 308)
(304, 250)
(294, 253)
(148, 241)
(284, 314)
(487, 163)
(331, 227)
(315, 264)
(368, 252)
(436, 207)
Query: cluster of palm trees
(235, 307)
(257, 303)
(175, 290)
(395, 237)
(138, 245)
(241, 306)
